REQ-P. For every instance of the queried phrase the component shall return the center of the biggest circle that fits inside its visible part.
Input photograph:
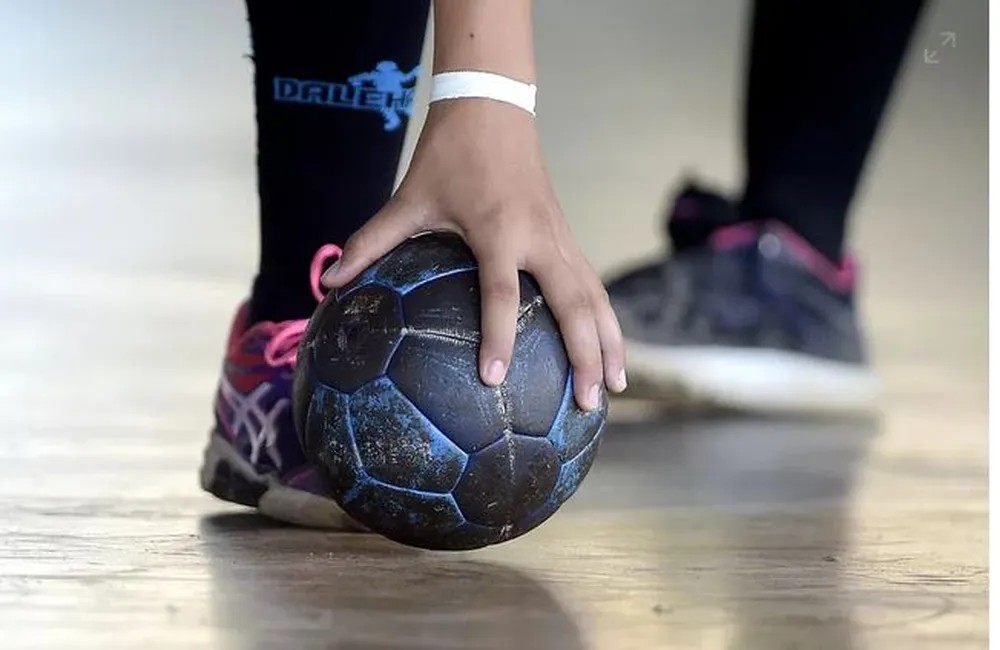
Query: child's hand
(478, 171)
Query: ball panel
(451, 304)
(423, 258)
(537, 376)
(535, 519)
(574, 471)
(571, 475)
(355, 337)
(573, 428)
(507, 481)
(316, 320)
(470, 536)
(328, 442)
(366, 278)
(303, 384)
(406, 516)
(398, 445)
(386, 372)
(447, 305)
(440, 376)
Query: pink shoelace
(283, 347)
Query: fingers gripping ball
(393, 414)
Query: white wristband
(485, 85)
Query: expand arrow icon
(930, 56)
(950, 38)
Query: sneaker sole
(230, 477)
(750, 379)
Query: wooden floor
(127, 236)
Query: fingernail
(593, 397)
(621, 383)
(331, 273)
(494, 372)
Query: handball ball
(393, 414)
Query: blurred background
(127, 128)
(128, 233)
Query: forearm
(486, 35)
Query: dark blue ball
(393, 414)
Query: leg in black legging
(819, 78)
(333, 87)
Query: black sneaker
(745, 316)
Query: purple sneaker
(254, 456)
(746, 316)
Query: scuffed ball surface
(393, 414)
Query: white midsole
(278, 501)
(753, 379)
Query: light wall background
(127, 169)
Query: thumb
(383, 232)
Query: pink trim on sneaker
(839, 277)
(730, 237)
(283, 347)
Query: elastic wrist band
(484, 85)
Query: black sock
(819, 78)
(333, 90)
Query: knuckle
(612, 328)
(497, 332)
(494, 347)
(614, 359)
(585, 355)
(578, 305)
(589, 371)
(548, 213)
(356, 244)
(500, 291)
(601, 295)
(616, 349)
